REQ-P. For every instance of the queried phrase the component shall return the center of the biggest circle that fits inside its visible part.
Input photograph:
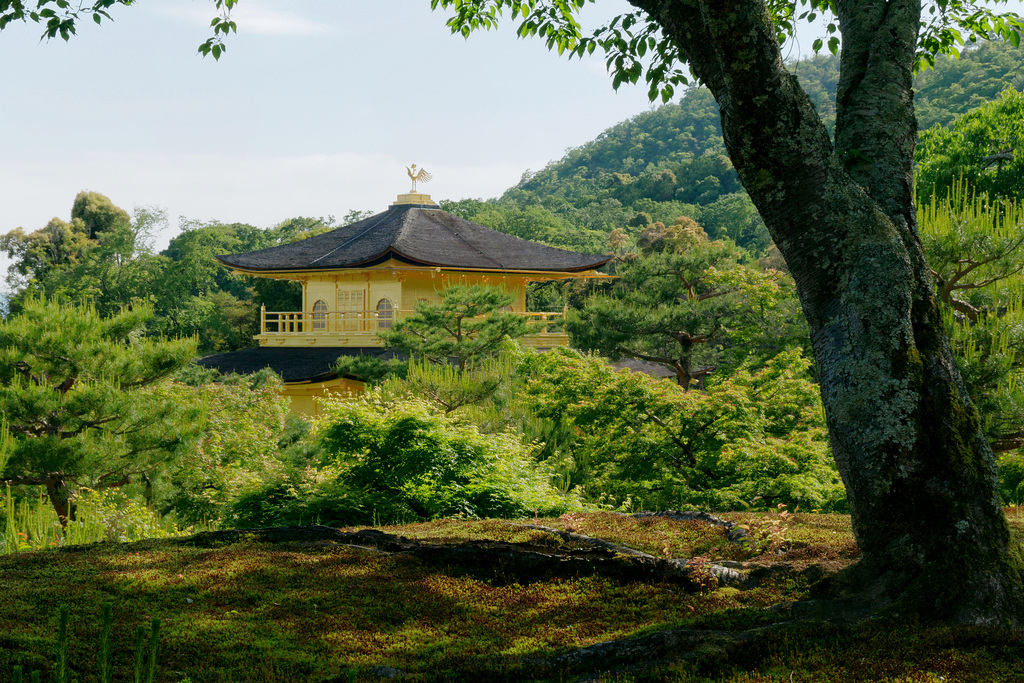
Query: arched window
(320, 316)
(385, 314)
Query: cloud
(255, 19)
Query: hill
(672, 162)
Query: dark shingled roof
(419, 235)
(647, 367)
(293, 363)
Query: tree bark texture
(61, 498)
(920, 476)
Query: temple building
(361, 278)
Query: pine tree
(80, 398)
(468, 324)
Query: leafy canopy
(984, 148)
(686, 303)
(635, 45)
(750, 439)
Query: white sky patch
(254, 17)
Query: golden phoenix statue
(420, 176)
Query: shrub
(407, 461)
(243, 419)
(752, 439)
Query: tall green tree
(683, 302)
(909, 444)
(80, 399)
(101, 255)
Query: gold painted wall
(302, 395)
(365, 289)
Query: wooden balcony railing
(360, 328)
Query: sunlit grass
(30, 522)
(251, 611)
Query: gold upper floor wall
(349, 307)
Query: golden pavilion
(359, 279)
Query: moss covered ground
(251, 611)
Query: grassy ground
(248, 611)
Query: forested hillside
(955, 87)
(671, 161)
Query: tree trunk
(919, 474)
(61, 498)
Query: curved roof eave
(383, 256)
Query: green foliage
(953, 87)
(449, 388)
(654, 167)
(58, 17)
(626, 171)
(242, 421)
(687, 304)
(750, 439)
(635, 45)
(532, 222)
(473, 420)
(102, 257)
(81, 396)
(30, 523)
(975, 248)
(409, 462)
(469, 324)
(675, 154)
(1011, 478)
(984, 148)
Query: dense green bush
(409, 461)
(242, 417)
(388, 458)
(754, 439)
(1011, 478)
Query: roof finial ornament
(418, 176)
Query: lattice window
(350, 308)
(320, 316)
(385, 314)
